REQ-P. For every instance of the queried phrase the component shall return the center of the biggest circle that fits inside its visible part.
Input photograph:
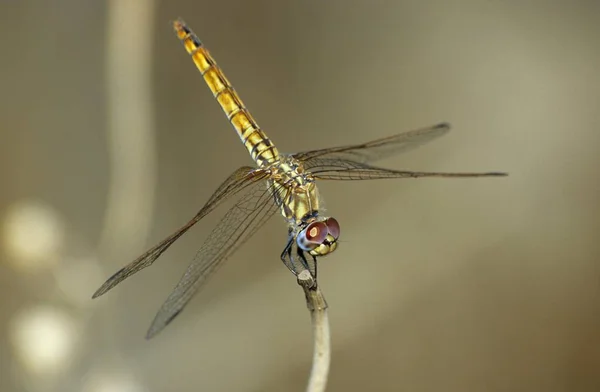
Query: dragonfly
(278, 182)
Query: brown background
(110, 140)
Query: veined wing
(378, 149)
(238, 180)
(341, 169)
(243, 220)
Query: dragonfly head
(319, 238)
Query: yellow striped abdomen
(260, 147)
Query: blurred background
(111, 140)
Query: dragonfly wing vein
(342, 169)
(237, 181)
(243, 220)
(378, 149)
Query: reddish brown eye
(316, 232)
(333, 227)
(313, 236)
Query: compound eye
(312, 236)
(316, 232)
(333, 227)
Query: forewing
(377, 149)
(243, 220)
(341, 169)
(237, 181)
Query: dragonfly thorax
(290, 172)
(298, 197)
(295, 191)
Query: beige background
(110, 140)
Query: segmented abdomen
(257, 143)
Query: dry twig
(320, 321)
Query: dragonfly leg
(303, 260)
(286, 255)
(298, 262)
(311, 267)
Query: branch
(322, 348)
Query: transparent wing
(340, 169)
(238, 180)
(378, 149)
(243, 220)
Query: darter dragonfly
(278, 182)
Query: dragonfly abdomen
(258, 144)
